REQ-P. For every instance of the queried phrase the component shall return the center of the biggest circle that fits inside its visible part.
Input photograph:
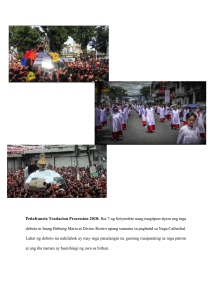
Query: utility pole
(89, 158)
(77, 161)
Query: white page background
(148, 41)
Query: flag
(54, 56)
(23, 62)
(27, 54)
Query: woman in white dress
(168, 112)
(103, 116)
(122, 111)
(162, 113)
(150, 118)
(140, 110)
(189, 134)
(129, 110)
(175, 118)
(144, 116)
(200, 123)
(97, 118)
(110, 109)
(115, 124)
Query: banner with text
(167, 96)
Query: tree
(102, 37)
(117, 91)
(82, 35)
(145, 91)
(58, 35)
(24, 37)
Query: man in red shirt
(31, 59)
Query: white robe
(103, 115)
(204, 118)
(188, 135)
(162, 112)
(185, 112)
(150, 118)
(200, 123)
(168, 111)
(97, 115)
(123, 115)
(175, 118)
(143, 114)
(126, 113)
(158, 110)
(116, 121)
(140, 110)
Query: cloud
(132, 87)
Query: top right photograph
(150, 112)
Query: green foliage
(116, 91)
(24, 37)
(58, 35)
(145, 91)
(101, 39)
(82, 34)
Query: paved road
(135, 133)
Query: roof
(27, 149)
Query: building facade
(77, 48)
(179, 92)
(60, 156)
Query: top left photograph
(58, 53)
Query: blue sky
(71, 42)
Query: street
(135, 133)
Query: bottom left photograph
(56, 171)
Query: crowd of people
(194, 120)
(80, 71)
(118, 118)
(86, 187)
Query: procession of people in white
(192, 132)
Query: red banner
(163, 85)
(161, 90)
